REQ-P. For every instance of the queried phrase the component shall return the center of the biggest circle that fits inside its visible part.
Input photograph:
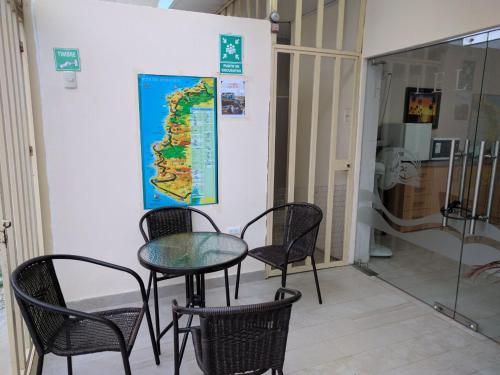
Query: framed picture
(422, 106)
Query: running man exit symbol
(67, 59)
(231, 54)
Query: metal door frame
(19, 189)
(339, 54)
(255, 9)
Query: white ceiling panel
(205, 6)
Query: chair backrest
(165, 220)
(302, 221)
(169, 220)
(37, 279)
(245, 338)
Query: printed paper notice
(233, 97)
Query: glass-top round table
(192, 253)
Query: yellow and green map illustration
(178, 140)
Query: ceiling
(205, 6)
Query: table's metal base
(195, 297)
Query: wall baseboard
(98, 303)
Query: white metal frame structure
(255, 9)
(21, 234)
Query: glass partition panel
(478, 299)
(417, 163)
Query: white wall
(91, 134)
(391, 25)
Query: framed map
(178, 120)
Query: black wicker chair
(161, 222)
(56, 329)
(300, 231)
(248, 339)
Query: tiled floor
(432, 277)
(363, 327)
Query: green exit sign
(67, 59)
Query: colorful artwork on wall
(422, 106)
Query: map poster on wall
(178, 120)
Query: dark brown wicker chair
(56, 329)
(248, 339)
(161, 222)
(300, 231)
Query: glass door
(478, 297)
(416, 193)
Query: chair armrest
(107, 265)
(182, 310)
(206, 217)
(291, 243)
(260, 217)
(295, 294)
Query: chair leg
(283, 281)
(283, 277)
(226, 280)
(176, 342)
(126, 364)
(280, 372)
(148, 290)
(39, 365)
(157, 311)
(316, 279)
(152, 334)
(70, 366)
(273, 371)
(237, 281)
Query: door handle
(491, 188)
(449, 181)
(479, 172)
(465, 156)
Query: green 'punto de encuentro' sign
(231, 54)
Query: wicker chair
(161, 222)
(56, 329)
(248, 339)
(300, 231)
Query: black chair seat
(274, 255)
(84, 336)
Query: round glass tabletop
(192, 252)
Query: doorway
(429, 207)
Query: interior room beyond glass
(429, 201)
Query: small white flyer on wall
(233, 97)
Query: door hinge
(3, 230)
(21, 46)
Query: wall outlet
(235, 231)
